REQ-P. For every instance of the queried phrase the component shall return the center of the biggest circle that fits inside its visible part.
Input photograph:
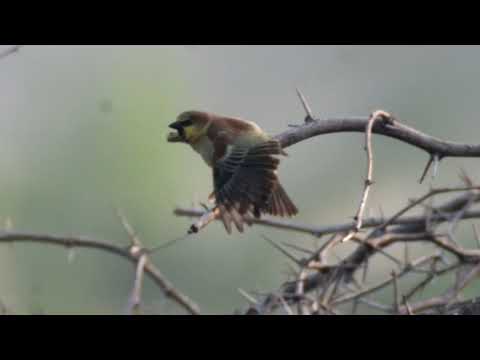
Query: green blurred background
(82, 132)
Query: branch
(369, 179)
(470, 307)
(319, 231)
(82, 242)
(390, 128)
(10, 51)
(417, 229)
(136, 297)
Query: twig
(407, 306)
(369, 177)
(283, 251)
(349, 297)
(136, 297)
(417, 202)
(318, 231)
(427, 167)
(82, 242)
(300, 290)
(477, 234)
(375, 305)
(287, 308)
(298, 248)
(420, 286)
(204, 220)
(135, 241)
(396, 303)
(10, 51)
(249, 297)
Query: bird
(244, 160)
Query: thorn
(425, 171)
(248, 297)
(306, 107)
(406, 254)
(382, 214)
(365, 271)
(287, 308)
(168, 244)
(128, 228)
(436, 162)
(395, 292)
(205, 207)
(407, 306)
(467, 180)
(283, 251)
(8, 224)
(298, 248)
(71, 255)
(477, 234)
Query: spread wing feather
(245, 181)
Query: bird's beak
(175, 136)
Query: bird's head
(189, 126)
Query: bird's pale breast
(205, 148)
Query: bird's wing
(244, 179)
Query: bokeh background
(82, 132)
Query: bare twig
(477, 234)
(368, 291)
(136, 297)
(82, 242)
(249, 297)
(369, 177)
(396, 303)
(287, 308)
(449, 296)
(413, 204)
(407, 306)
(10, 51)
(283, 251)
(325, 230)
(204, 220)
(135, 241)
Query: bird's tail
(280, 203)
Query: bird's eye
(187, 122)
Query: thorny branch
(332, 282)
(126, 252)
(406, 232)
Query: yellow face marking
(190, 132)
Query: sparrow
(244, 162)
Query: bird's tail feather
(280, 203)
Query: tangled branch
(332, 283)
